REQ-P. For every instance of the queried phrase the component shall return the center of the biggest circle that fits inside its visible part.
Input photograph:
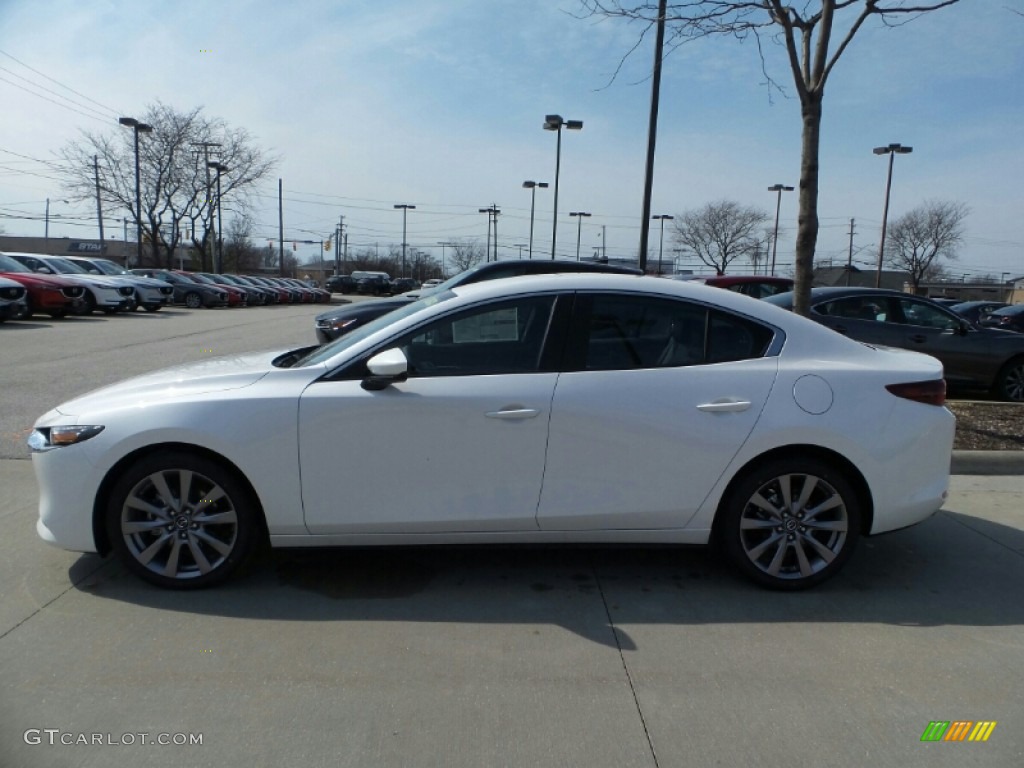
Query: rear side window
(616, 332)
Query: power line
(113, 112)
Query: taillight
(931, 392)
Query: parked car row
(371, 283)
(62, 285)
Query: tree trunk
(807, 220)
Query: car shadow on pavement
(952, 570)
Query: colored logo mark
(958, 730)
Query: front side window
(501, 337)
(919, 313)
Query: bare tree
(719, 233)
(465, 254)
(178, 199)
(920, 239)
(814, 40)
(240, 255)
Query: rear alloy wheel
(1010, 384)
(790, 524)
(181, 521)
(193, 300)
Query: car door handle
(919, 338)
(724, 406)
(512, 413)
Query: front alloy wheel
(181, 521)
(791, 524)
(1011, 381)
(193, 300)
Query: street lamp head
(552, 122)
(131, 122)
(533, 184)
(663, 217)
(578, 213)
(144, 128)
(574, 125)
(779, 188)
(405, 206)
(897, 148)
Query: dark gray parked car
(973, 357)
(337, 322)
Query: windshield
(108, 267)
(7, 264)
(67, 267)
(327, 351)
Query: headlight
(48, 438)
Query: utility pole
(849, 256)
(652, 133)
(604, 244)
(207, 220)
(99, 205)
(280, 226)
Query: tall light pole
(555, 123)
(892, 150)
(443, 244)
(219, 168)
(778, 189)
(136, 126)
(532, 186)
(520, 246)
(405, 208)
(46, 229)
(662, 217)
(579, 228)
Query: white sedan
(556, 408)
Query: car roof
(1012, 309)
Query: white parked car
(150, 294)
(109, 294)
(556, 408)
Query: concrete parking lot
(486, 657)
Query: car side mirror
(386, 368)
(965, 327)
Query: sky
(440, 104)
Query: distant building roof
(829, 276)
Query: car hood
(149, 282)
(39, 279)
(214, 375)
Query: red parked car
(48, 294)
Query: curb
(987, 463)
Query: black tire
(57, 314)
(763, 525)
(193, 300)
(90, 304)
(153, 307)
(182, 543)
(1010, 381)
